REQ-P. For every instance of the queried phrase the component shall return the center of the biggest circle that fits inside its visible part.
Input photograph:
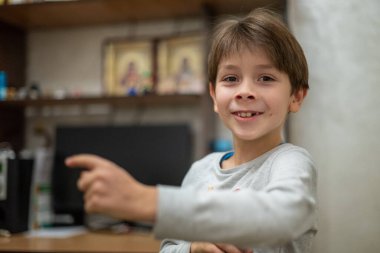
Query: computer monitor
(159, 154)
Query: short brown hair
(265, 29)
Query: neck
(249, 150)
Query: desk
(88, 242)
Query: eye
(230, 79)
(266, 78)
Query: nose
(246, 91)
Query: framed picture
(181, 65)
(128, 67)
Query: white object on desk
(58, 232)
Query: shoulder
(291, 157)
(289, 151)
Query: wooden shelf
(148, 100)
(94, 12)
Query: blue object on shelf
(3, 85)
(132, 92)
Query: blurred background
(53, 57)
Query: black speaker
(15, 200)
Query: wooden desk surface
(88, 242)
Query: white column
(340, 121)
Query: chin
(246, 136)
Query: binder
(15, 204)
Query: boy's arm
(281, 212)
(111, 190)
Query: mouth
(247, 114)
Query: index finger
(87, 161)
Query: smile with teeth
(247, 114)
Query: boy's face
(252, 97)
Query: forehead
(253, 55)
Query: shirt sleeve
(174, 246)
(281, 212)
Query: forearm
(240, 218)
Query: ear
(211, 89)
(296, 100)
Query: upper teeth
(246, 114)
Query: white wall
(340, 121)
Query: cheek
(221, 101)
(278, 104)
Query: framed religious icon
(128, 67)
(181, 65)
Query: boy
(262, 196)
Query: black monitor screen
(151, 154)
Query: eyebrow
(260, 66)
(229, 67)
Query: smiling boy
(261, 196)
(253, 99)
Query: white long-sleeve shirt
(267, 204)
